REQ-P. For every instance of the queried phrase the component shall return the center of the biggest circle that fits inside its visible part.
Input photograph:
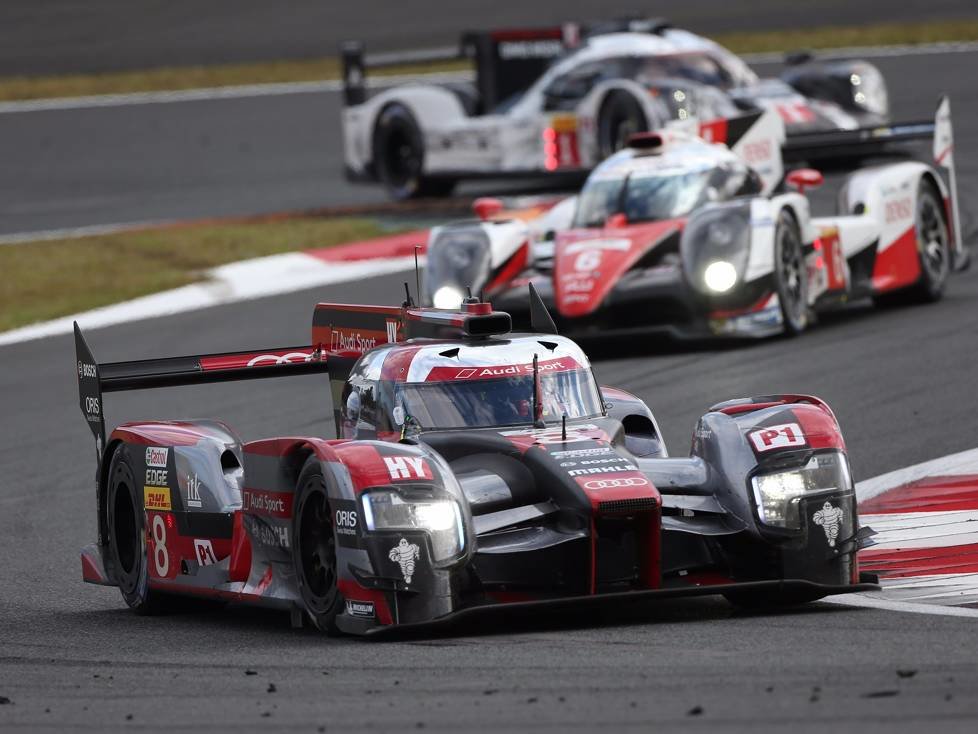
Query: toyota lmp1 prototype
(476, 468)
(560, 100)
(697, 236)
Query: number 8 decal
(160, 556)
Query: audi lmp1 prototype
(696, 236)
(560, 100)
(475, 468)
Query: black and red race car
(474, 468)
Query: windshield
(642, 197)
(506, 401)
(696, 67)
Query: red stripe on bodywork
(898, 265)
(932, 494)
(952, 559)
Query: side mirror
(487, 207)
(616, 221)
(804, 178)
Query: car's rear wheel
(933, 251)
(790, 274)
(127, 537)
(620, 117)
(398, 156)
(314, 548)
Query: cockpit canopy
(647, 187)
(409, 388)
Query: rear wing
(844, 144)
(507, 61)
(95, 378)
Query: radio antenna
(417, 271)
(407, 292)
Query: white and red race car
(697, 236)
(560, 100)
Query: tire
(398, 156)
(761, 600)
(790, 275)
(314, 549)
(620, 117)
(127, 537)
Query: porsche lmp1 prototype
(474, 468)
(695, 239)
(560, 100)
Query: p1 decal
(204, 551)
(407, 467)
(784, 435)
(157, 498)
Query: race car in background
(560, 100)
(474, 468)
(693, 238)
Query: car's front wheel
(790, 275)
(314, 548)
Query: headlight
(779, 494)
(447, 297)
(869, 89)
(720, 276)
(715, 246)
(440, 518)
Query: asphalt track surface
(63, 36)
(900, 380)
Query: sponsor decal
(204, 552)
(407, 467)
(351, 341)
(346, 522)
(272, 536)
(157, 498)
(625, 466)
(263, 360)
(898, 210)
(363, 609)
(156, 477)
(578, 453)
(156, 456)
(261, 502)
(542, 49)
(86, 370)
(92, 406)
(830, 518)
(193, 490)
(781, 436)
(616, 483)
(404, 554)
(563, 364)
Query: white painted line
(46, 235)
(217, 93)
(379, 82)
(875, 602)
(241, 281)
(965, 462)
